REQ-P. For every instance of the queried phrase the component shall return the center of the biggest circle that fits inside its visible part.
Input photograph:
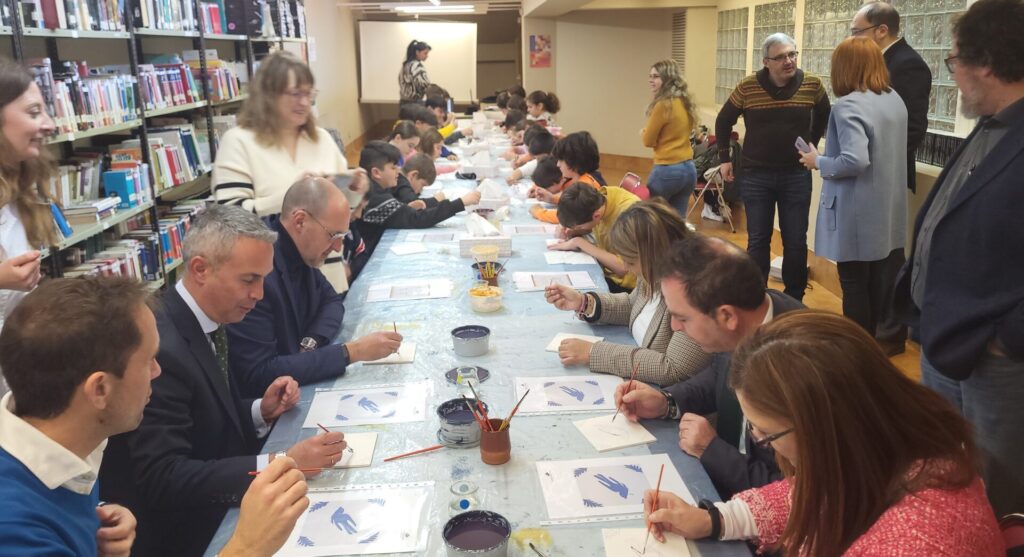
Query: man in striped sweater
(779, 104)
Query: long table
(519, 334)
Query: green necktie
(220, 345)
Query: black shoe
(892, 348)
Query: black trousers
(891, 328)
(868, 288)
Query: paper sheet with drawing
(382, 404)
(605, 486)
(571, 393)
(361, 522)
(619, 542)
(410, 290)
(405, 355)
(606, 435)
(536, 281)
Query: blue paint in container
(477, 534)
(458, 427)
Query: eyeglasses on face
(951, 62)
(764, 442)
(300, 95)
(785, 55)
(854, 31)
(334, 236)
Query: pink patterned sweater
(929, 523)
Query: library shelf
(86, 231)
(73, 136)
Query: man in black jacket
(383, 211)
(292, 329)
(912, 81)
(715, 293)
(190, 458)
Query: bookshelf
(142, 236)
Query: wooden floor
(817, 296)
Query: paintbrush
(505, 423)
(483, 410)
(394, 326)
(416, 452)
(500, 268)
(479, 420)
(654, 506)
(629, 388)
(303, 470)
(323, 427)
(537, 551)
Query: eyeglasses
(782, 57)
(951, 63)
(763, 442)
(334, 236)
(854, 31)
(299, 95)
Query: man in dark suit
(912, 81)
(963, 288)
(290, 330)
(190, 458)
(715, 293)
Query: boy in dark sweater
(70, 399)
(383, 211)
(419, 172)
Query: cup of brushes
(495, 442)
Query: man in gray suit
(715, 293)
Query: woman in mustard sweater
(670, 120)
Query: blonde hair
(25, 183)
(259, 113)
(644, 233)
(673, 86)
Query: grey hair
(311, 194)
(774, 39)
(214, 231)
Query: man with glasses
(962, 289)
(715, 294)
(779, 104)
(912, 81)
(291, 330)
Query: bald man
(292, 329)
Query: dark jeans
(675, 183)
(890, 328)
(867, 288)
(762, 189)
(990, 399)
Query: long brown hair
(673, 86)
(858, 65)
(867, 435)
(25, 183)
(259, 113)
(644, 232)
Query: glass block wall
(927, 26)
(826, 23)
(768, 20)
(731, 62)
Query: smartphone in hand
(802, 145)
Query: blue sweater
(37, 521)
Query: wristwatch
(716, 518)
(308, 344)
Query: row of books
(169, 15)
(288, 17)
(79, 100)
(81, 15)
(174, 152)
(165, 85)
(134, 258)
(173, 224)
(225, 76)
(211, 17)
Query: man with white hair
(779, 104)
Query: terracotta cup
(495, 446)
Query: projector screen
(452, 61)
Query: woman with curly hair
(671, 118)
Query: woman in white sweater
(276, 143)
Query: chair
(1012, 526)
(631, 182)
(714, 184)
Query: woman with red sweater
(876, 464)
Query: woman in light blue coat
(862, 218)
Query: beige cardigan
(665, 357)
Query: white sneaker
(710, 214)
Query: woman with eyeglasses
(276, 143)
(671, 119)
(862, 216)
(875, 464)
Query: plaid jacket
(665, 357)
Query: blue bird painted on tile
(573, 392)
(343, 521)
(613, 485)
(368, 405)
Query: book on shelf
(166, 15)
(91, 211)
(243, 17)
(78, 100)
(77, 15)
(210, 17)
